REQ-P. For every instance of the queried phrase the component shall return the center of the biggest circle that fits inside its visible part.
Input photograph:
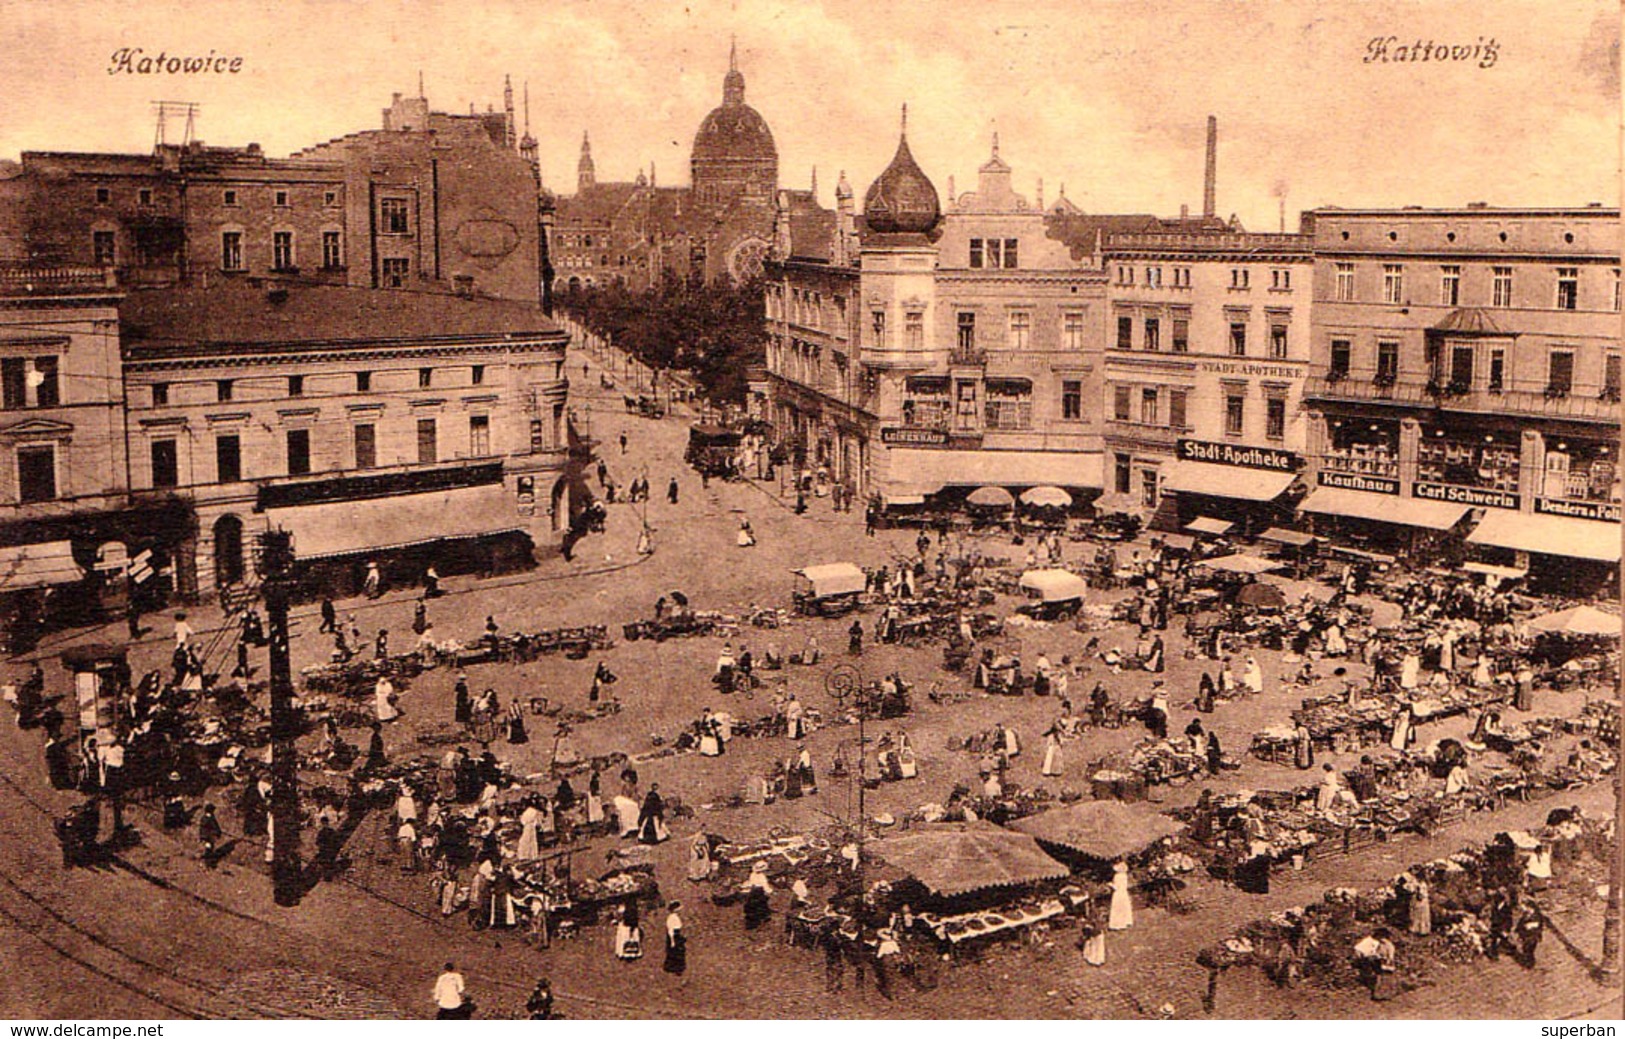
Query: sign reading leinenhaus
(914, 437)
(1479, 497)
(1238, 454)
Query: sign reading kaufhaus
(1607, 512)
(1238, 454)
(1478, 497)
(1359, 482)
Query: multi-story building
(1207, 352)
(1465, 382)
(403, 427)
(430, 201)
(63, 528)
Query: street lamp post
(845, 682)
(276, 556)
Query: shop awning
(1281, 535)
(1105, 830)
(1240, 563)
(1548, 535)
(1226, 481)
(1179, 542)
(379, 524)
(1209, 525)
(38, 566)
(918, 471)
(981, 855)
(1384, 508)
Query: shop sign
(1607, 512)
(1359, 482)
(1239, 455)
(914, 437)
(1267, 371)
(1478, 497)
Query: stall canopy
(1263, 596)
(1505, 573)
(1548, 535)
(1227, 481)
(1209, 525)
(1280, 535)
(1578, 620)
(1240, 563)
(993, 497)
(1384, 508)
(1052, 497)
(926, 471)
(833, 578)
(38, 566)
(961, 860)
(1105, 829)
(380, 524)
(1181, 542)
(1054, 585)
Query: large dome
(902, 199)
(734, 131)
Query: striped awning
(38, 566)
(1549, 535)
(380, 524)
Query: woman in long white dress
(1410, 670)
(1253, 676)
(383, 700)
(1052, 753)
(700, 864)
(530, 845)
(1122, 915)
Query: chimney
(1184, 211)
(1210, 178)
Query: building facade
(1465, 382)
(1206, 357)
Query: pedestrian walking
(539, 1005)
(132, 616)
(208, 835)
(676, 941)
(373, 586)
(623, 441)
(330, 618)
(854, 639)
(671, 491)
(450, 996)
(431, 583)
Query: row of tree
(713, 330)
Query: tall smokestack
(1210, 178)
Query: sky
(1109, 98)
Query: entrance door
(228, 551)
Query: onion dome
(902, 200)
(734, 130)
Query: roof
(1082, 232)
(599, 204)
(958, 860)
(812, 228)
(1240, 563)
(734, 131)
(1469, 320)
(1055, 585)
(1099, 829)
(834, 578)
(238, 317)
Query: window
(298, 452)
(281, 198)
(1568, 288)
(36, 473)
(1278, 342)
(1072, 401)
(1501, 287)
(1387, 362)
(104, 196)
(1616, 289)
(231, 250)
(160, 394)
(877, 329)
(1610, 375)
(165, 464)
(229, 197)
(479, 435)
(914, 329)
(47, 387)
(144, 196)
(1238, 338)
(1450, 285)
(228, 458)
(330, 198)
(1153, 277)
(1182, 277)
(1148, 406)
(363, 382)
(365, 439)
(976, 254)
(1125, 333)
(1235, 413)
(1153, 334)
(1181, 335)
(14, 382)
(427, 452)
(392, 216)
(1120, 403)
(222, 390)
(1281, 279)
(1072, 330)
(1275, 418)
(1125, 275)
(102, 248)
(1342, 352)
(1393, 283)
(1461, 366)
(1239, 277)
(1010, 248)
(1345, 283)
(476, 375)
(296, 385)
(1021, 329)
(394, 273)
(1560, 377)
(1122, 473)
(1176, 409)
(332, 250)
(425, 378)
(1148, 488)
(1498, 368)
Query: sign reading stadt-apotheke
(1607, 512)
(1359, 482)
(1479, 497)
(1238, 454)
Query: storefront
(1237, 483)
(1369, 514)
(1576, 553)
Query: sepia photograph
(862, 510)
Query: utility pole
(276, 567)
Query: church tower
(585, 175)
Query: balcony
(967, 357)
(1584, 405)
(60, 280)
(1368, 388)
